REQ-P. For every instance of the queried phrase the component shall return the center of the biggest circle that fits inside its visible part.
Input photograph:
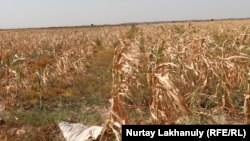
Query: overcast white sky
(46, 13)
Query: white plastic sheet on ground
(79, 132)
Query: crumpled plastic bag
(79, 132)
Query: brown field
(197, 71)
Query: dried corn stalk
(247, 109)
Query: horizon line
(125, 24)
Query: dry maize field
(165, 73)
